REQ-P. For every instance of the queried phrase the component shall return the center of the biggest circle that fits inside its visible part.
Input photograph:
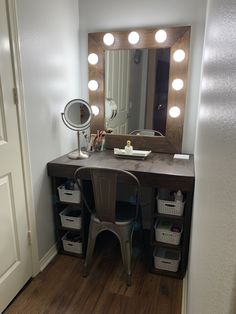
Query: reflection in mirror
(146, 132)
(137, 81)
(77, 116)
(110, 111)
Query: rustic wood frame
(177, 37)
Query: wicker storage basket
(71, 217)
(68, 196)
(72, 245)
(166, 259)
(164, 232)
(170, 207)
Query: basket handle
(170, 205)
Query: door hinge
(15, 95)
(29, 237)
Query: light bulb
(174, 112)
(93, 85)
(177, 84)
(95, 110)
(133, 38)
(179, 55)
(108, 39)
(160, 36)
(93, 58)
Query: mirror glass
(77, 114)
(136, 82)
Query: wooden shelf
(167, 245)
(70, 203)
(158, 174)
(172, 217)
(69, 229)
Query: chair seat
(125, 213)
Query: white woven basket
(165, 259)
(165, 235)
(68, 196)
(71, 246)
(175, 208)
(68, 220)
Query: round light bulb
(133, 38)
(160, 36)
(179, 55)
(95, 110)
(108, 39)
(177, 84)
(174, 112)
(93, 85)
(93, 58)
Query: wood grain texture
(151, 88)
(178, 37)
(60, 288)
(153, 143)
(174, 126)
(157, 170)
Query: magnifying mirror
(77, 116)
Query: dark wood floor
(60, 288)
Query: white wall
(49, 32)
(103, 15)
(212, 271)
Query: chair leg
(128, 256)
(126, 251)
(93, 232)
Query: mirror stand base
(78, 154)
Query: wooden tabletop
(157, 170)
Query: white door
(15, 255)
(117, 77)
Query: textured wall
(212, 271)
(102, 15)
(48, 33)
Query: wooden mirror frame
(177, 38)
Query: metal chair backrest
(146, 132)
(104, 182)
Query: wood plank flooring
(60, 288)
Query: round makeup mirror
(77, 116)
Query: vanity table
(159, 170)
(137, 81)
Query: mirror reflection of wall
(77, 116)
(137, 81)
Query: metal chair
(146, 132)
(109, 214)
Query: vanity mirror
(138, 80)
(77, 116)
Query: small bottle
(179, 196)
(103, 144)
(128, 148)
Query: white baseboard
(46, 259)
(184, 295)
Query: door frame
(21, 112)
